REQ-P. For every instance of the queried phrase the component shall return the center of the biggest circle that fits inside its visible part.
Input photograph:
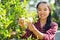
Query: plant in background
(10, 12)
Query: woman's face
(43, 11)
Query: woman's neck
(43, 22)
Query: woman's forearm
(38, 34)
(35, 31)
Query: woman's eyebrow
(43, 8)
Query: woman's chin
(42, 18)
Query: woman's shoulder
(54, 24)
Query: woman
(44, 28)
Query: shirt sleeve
(27, 34)
(50, 34)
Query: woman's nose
(42, 11)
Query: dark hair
(47, 25)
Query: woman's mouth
(42, 15)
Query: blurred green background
(12, 10)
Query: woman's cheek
(46, 15)
(39, 15)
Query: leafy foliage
(10, 12)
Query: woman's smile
(42, 15)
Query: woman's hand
(30, 26)
(28, 23)
(22, 22)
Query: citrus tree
(10, 12)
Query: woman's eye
(39, 10)
(45, 9)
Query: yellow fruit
(29, 19)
